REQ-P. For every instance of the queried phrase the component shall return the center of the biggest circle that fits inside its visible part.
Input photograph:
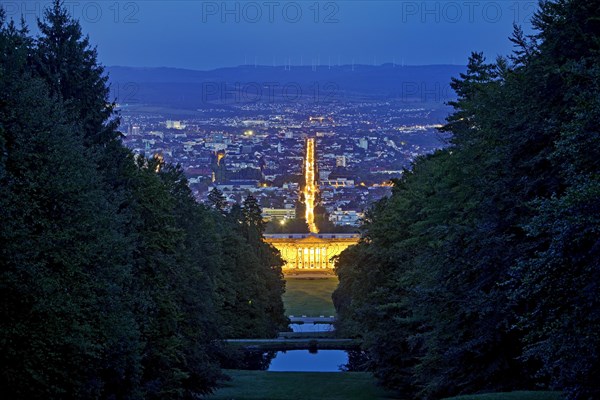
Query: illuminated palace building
(309, 250)
(314, 250)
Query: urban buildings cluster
(259, 148)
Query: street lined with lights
(311, 188)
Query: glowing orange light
(160, 160)
(220, 156)
(310, 189)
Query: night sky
(212, 34)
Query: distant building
(339, 217)
(157, 133)
(278, 214)
(215, 146)
(136, 131)
(324, 174)
(310, 251)
(363, 143)
(340, 161)
(339, 182)
(174, 125)
(237, 185)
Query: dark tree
(480, 272)
(116, 282)
(217, 200)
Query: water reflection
(300, 360)
(306, 361)
(312, 327)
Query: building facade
(279, 214)
(310, 251)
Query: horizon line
(286, 66)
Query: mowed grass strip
(524, 395)
(261, 385)
(310, 297)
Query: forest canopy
(481, 272)
(116, 283)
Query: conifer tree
(483, 262)
(217, 199)
(66, 330)
(65, 59)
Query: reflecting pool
(306, 361)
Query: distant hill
(185, 88)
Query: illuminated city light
(311, 188)
(159, 157)
(220, 156)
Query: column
(318, 257)
(306, 259)
(296, 257)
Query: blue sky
(211, 34)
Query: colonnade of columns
(310, 254)
(311, 258)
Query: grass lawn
(261, 385)
(512, 396)
(310, 297)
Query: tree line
(481, 272)
(116, 283)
